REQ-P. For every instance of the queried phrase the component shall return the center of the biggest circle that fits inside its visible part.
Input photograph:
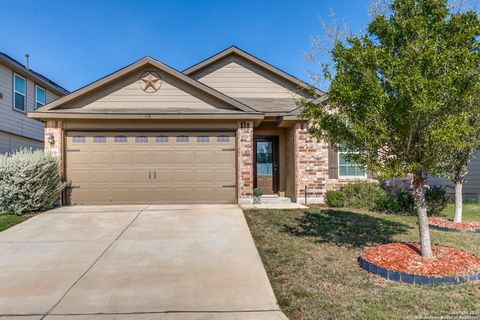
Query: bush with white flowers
(29, 181)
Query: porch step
(274, 199)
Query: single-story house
(148, 133)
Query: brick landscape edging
(448, 229)
(414, 279)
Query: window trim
(35, 107)
(24, 94)
(348, 177)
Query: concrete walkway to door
(134, 262)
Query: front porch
(281, 159)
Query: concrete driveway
(134, 262)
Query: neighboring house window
(223, 139)
(347, 168)
(78, 139)
(19, 89)
(99, 139)
(141, 139)
(161, 139)
(120, 139)
(40, 97)
(203, 139)
(182, 138)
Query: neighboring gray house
(22, 90)
(471, 188)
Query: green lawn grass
(9, 220)
(311, 259)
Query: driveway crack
(93, 263)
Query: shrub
(363, 195)
(437, 200)
(257, 192)
(335, 198)
(29, 181)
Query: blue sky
(77, 42)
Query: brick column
(245, 162)
(55, 129)
(311, 166)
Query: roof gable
(120, 92)
(200, 69)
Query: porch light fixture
(51, 139)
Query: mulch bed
(403, 262)
(447, 225)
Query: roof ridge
(35, 73)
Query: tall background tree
(401, 95)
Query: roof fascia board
(20, 69)
(61, 115)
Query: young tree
(456, 164)
(401, 95)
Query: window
(161, 139)
(78, 139)
(347, 168)
(39, 97)
(182, 138)
(120, 139)
(141, 139)
(99, 139)
(223, 139)
(19, 89)
(203, 139)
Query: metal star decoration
(150, 81)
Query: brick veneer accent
(55, 129)
(245, 161)
(311, 168)
(311, 165)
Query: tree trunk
(422, 218)
(458, 201)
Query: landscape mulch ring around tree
(447, 225)
(403, 262)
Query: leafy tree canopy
(405, 93)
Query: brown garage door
(151, 167)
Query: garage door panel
(163, 157)
(141, 157)
(110, 170)
(121, 157)
(224, 157)
(224, 176)
(100, 157)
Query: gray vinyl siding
(15, 122)
(471, 188)
(10, 142)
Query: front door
(266, 164)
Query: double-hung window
(346, 168)
(40, 97)
(19, 92)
